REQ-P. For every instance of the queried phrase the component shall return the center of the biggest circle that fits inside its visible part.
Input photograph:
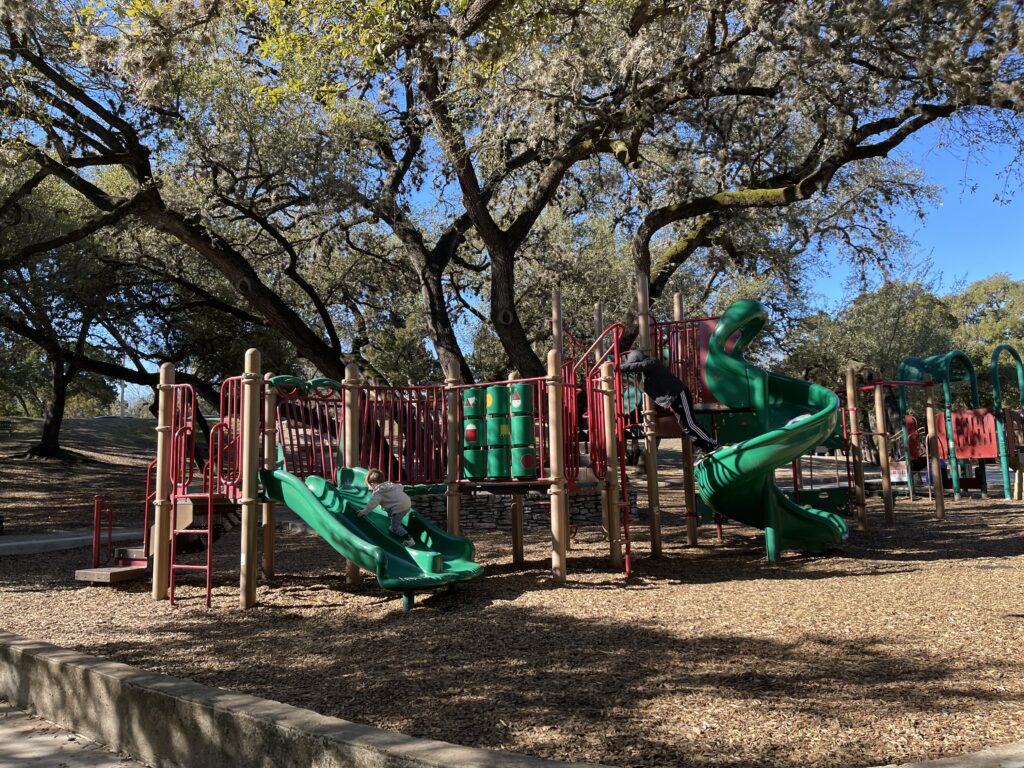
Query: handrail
(99, 506)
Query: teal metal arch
(949, 368)
(997, 397)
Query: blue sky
(970, 235)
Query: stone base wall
(482, 511)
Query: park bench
(6, 425)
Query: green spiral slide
(791, 418)
(436, 560)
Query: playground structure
(307, 443)
(972, 434)
(926, 444)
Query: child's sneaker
(408, 542)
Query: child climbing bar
(668, 392)
(393, 499)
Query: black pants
(682, 407)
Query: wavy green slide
(437, 559)
(792, 417)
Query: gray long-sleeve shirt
(391, 497)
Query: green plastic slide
(791, 417)
(437, 559)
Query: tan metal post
(251, 383)
(650, 419)
(556, 447)
(689, 477)
(933, 453)
(269, 461)
(351, 443)
(453, 501)
(556, 322)
(855, 454)
(612, 477)
(599, 327)
(160, 538)
(883, 456)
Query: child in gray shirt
(394, 501)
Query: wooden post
(858, 462)
(251, 384)
(883, 456)
(689, 478)
(350, 445)
(269, 462)
(556, 455)
(556, 322)
(650, 418)
(933, 453)
(160, 538)
(614, 523)
(453, 501)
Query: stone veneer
(482, 510)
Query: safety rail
(404, 432)
(310, 427)
(99, 506)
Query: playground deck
(904, 648)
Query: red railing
(99, 506)
(404, 433)
(310, 430)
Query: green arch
(952, 367)
(997, 397)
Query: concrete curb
(1006, 756)
(173, 723)
(32, 544)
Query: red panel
(974, 434)
(914, 438)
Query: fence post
(350, 446)
(556, 448)
(883, 456)
(611, 443)
(251, 383)
(453, 396)
(858, 462)
(269, 462)
(161, 536)
(933, 453)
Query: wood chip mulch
(906, 646)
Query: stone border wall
(484, 511)
(171, 723)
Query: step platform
(112, 574)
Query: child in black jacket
(670, 393)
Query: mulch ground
(905, 646)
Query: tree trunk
(48, 446)
(506, 320)
(441, 330)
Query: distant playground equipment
(279, 439)
(973, 434)
(894, 467)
